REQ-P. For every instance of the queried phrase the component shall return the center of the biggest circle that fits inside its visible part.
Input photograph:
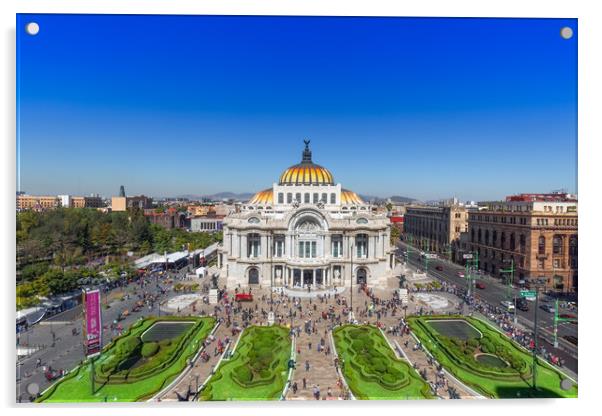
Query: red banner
(92, 322)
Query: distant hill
(403, 199)
(245, 196)
(220, 196)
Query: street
(67, 351)
(494, 293)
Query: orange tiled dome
(264, 197)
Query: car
(480, 285)
(440, 268)
(567, 316)
(522, 306)
(508, 305)
(571, 339)
(547, 308)
(460, 274)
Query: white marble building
(303, 230)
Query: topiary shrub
(149, 349)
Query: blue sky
(171, 105)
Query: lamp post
(538, 283)
(511, 271)
(351, 283)
(271, 253)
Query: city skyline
(418, 107)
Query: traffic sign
(527, 293)
(467, 256)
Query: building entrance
(361, 276)
(296, 277)
(308, 277)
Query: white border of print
(590, 68)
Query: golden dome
(306, 172)
(265, 197)
(350, 198)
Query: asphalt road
(66, 352)
(494, 293)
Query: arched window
(306, 198)
(333, 198)
(557, 244)
(542, 245)
(503, 240)
(479, 235)
(487, 237)
(280, 198)
(472, 235)
(324, 197)
(494, 238)
(512, 242)
(289, 198)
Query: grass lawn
(458, 357)
(258, 369)
(372, 370)
(76, 386)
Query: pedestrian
(295, 387)
(304, 383)
(306, 365)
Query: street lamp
(511, 280)
(351, 283)
(538, 283)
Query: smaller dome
(265, 197)
(350, 198)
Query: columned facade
(306, 230)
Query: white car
(508, 305)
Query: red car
(243, 297)
(480, 285)
(567, 316)
(440, 268)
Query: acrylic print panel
(283, 208)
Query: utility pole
(351, 256)
(510, 281)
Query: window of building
(316, 197)
(280, 198)
(306, 198)
(279, 246)
(253, 245)
(479, 236)
(307, 249)
(573, 246)
(298, 197)
(333, 198)
(542, 245)
(557, 244)
(361, 245)
(337, 245)
(556, 263)
(541, 264)
(289, 198)
(512, 242)
(487, 237)
(324, 197)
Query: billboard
(92, 322)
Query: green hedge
(458, 357)
(371, 368)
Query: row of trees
(57, 248)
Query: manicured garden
(371, 368)
(257, 370)
(138, 364)
(485, 359)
